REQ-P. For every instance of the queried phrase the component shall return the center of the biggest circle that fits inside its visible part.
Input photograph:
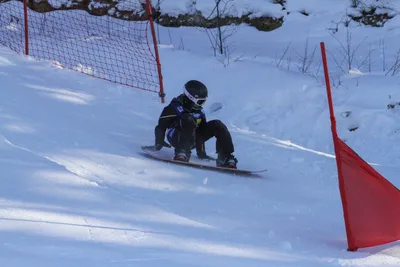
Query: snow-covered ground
(76, 192)
(270, 7)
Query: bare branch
(181, 45)
(396, 65)
(347, 50)
(336, 62)
(306, 58)
(284, 54)
(383, 55)
(218, 37)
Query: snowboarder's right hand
(158, 147)
(204, 156)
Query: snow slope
(76, 192)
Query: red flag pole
(153, 33)
(26, 27)
(350, 239)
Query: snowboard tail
(150, 152)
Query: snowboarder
(184, 121)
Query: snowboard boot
(226, 161)
(182, 156)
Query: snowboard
(208, 164)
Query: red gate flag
(373, 210)
(371, 204)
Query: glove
(158, 147)
(203, 155)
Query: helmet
(196, 93)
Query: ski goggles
(197, 101)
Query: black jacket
(171, 118)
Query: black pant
(188, 140)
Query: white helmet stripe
(192, 98)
